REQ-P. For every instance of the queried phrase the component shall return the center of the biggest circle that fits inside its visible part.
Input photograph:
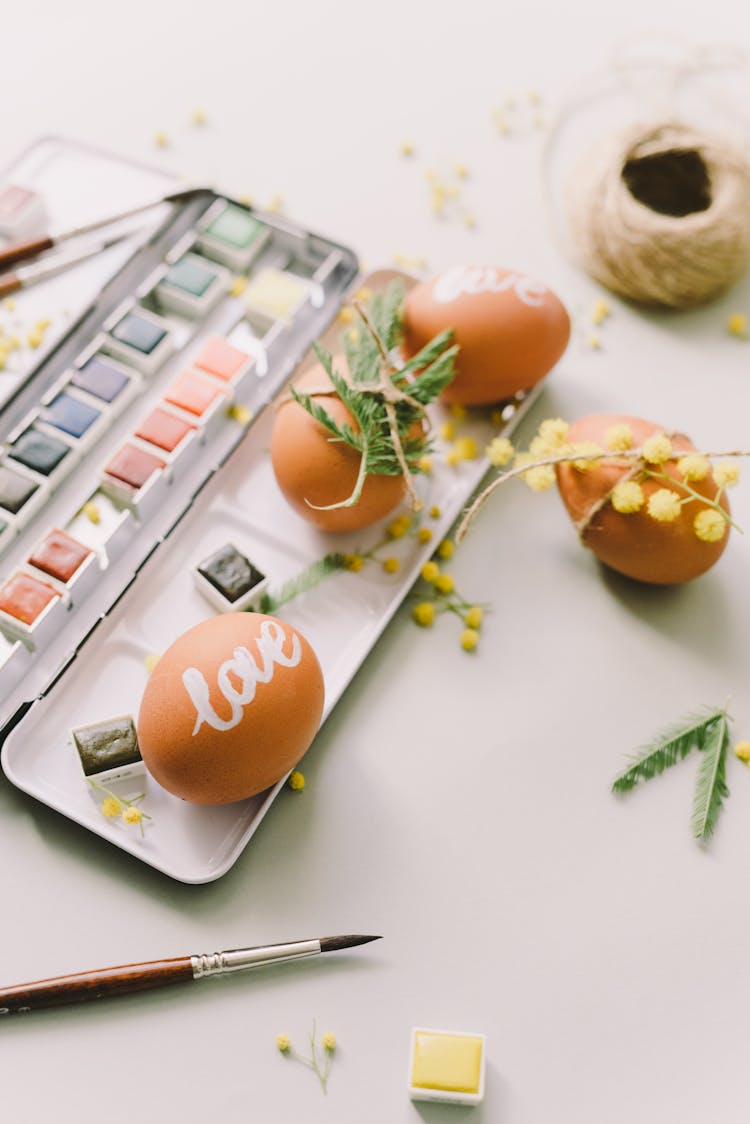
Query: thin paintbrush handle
(20, 251)
(100, 984)
(9, 283)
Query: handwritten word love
(465, 280)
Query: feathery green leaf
(710, 785)
(670, 746)
(308, 579)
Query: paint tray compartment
(342, 619)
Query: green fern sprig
(670, 746)
(317, 572)
(386, 405)
(710, 785)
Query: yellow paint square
(276, 294)
(447, 1062)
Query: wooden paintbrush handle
(20, 251)
(100, 984)
(9, 283)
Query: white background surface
(459, 805)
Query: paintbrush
(21, 251)
(28, 275)
(103, 983)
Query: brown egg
(510, 330)
(636, 544)
(313, 469)
(230, 708)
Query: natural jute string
(648, 256)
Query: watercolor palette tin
(168, 510)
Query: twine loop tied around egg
(660, 214)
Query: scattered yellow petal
(600, 311)
(43, 325)
(407, 149)
(296, 781)
(353, 562)
(346, 315)
(694, 467)
(737, 325)
(742, 750)
(34, 338)
(540, 479)
(9, 304)
(425, 464)
(363, 295)
(461, 171)
(111, 807)
(726, 473)
(328, 1041)
(240, 414)
(430, 572)
(466, 449)
(437, 200)
(161, 140)
(246, 200)
(391, 565)
(445, 550)
(537, 120)
(657, 449)
(447, 431)
(452, 458)
(435, 512)
(469, 220)
(424, 534)
(132, 815)
(353, 335)
(535, 98)
(91, 511)
(283, 1043)
(469, 639)
(424, 614)
(618, 438)
(275, 204)
(473, 617)
(458, 411)
(397, 528)
(239, 284)
(151, 661)
(627, 497)
(500, 452)
(445, 583)
(664, 506)
(198, 117)
(709, 525)
(593, 341)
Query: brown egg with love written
(230, 708)
(510, 329)
(636, 544)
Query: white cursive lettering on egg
(243, 667)
(466, 279)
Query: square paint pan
(22, 211)
(224, 362)
(105, 524)
(168, 436)
(105, 382)
(141, 339)
(229, 234)
(75, 418)
(137, 478)
(191, 286)
(108, 751)
(43, 452)
(22, 493)
(447, 1066)
(229, 580)
(277, 294)
(200, 400)
(71, 564)
(30, 608)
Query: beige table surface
(458, 804)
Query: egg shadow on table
(698, 614)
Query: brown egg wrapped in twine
(660, 214)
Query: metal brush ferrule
(236, 960)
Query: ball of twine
(636, 249)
